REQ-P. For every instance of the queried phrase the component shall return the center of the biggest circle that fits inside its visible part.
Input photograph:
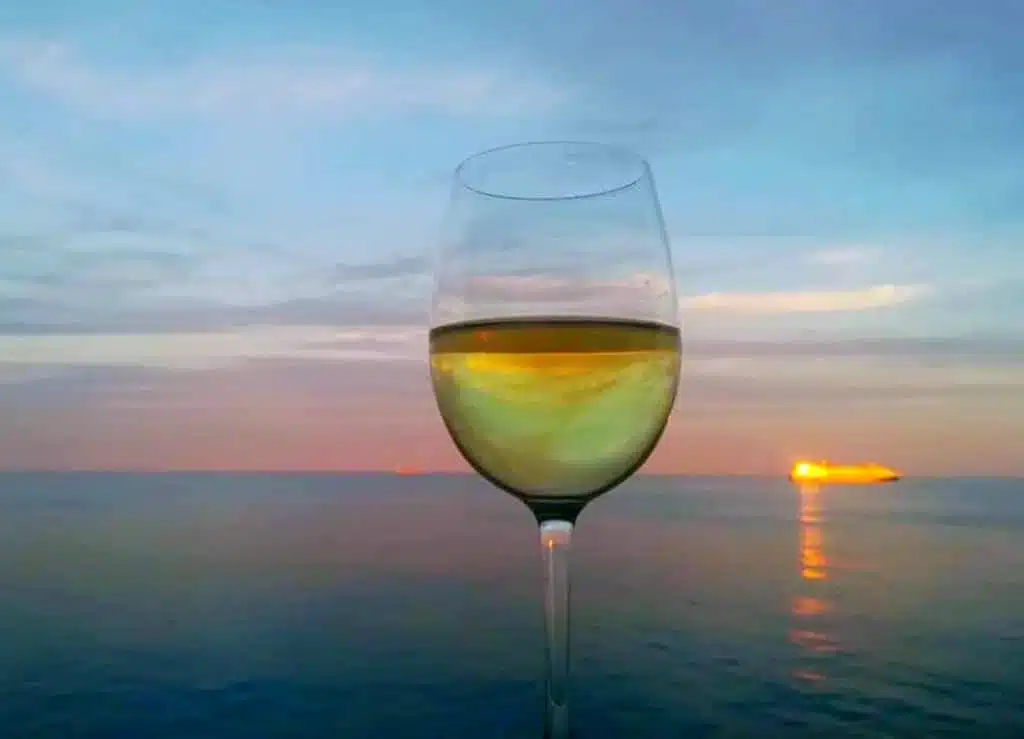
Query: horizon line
(427, 473)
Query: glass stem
(556, 541)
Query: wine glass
(554, 341)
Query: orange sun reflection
(813, 564)
(808, 607)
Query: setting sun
(860, 474)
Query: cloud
(648, 296)
(195, 306)
(546, 288)
(639, 289)
(944, 395)
(638, 296)
(106, 234)
(373, 370)
(279, 82)
(405, 266)
(871, 298)
(214, 349)
(98, 282)
(83, 239)
(843, 256)
(934, 349)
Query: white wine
(555, 408)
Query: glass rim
(630, 180)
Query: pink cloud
(810, 301)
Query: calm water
(315, 606)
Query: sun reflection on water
(811, 605)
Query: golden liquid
(555, 408)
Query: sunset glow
(217, 229)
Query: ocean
(348, 606)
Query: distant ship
(853, 474)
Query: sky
(217, 221)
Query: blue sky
(246, 193)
